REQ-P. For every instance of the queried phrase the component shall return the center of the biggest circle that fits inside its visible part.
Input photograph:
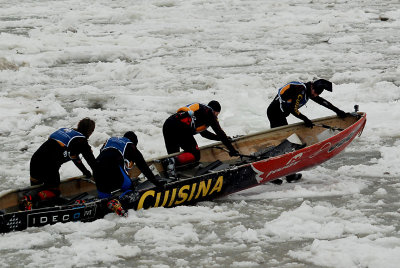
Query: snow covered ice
(130, 64)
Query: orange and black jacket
(199, 117)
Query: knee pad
(186, 158)
(48, 194)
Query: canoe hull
(307, 157)
(226, 182)
(212, 185)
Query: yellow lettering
(143, 197)
(296, 108)
(182, 195)
(218, 185)
(165, 198)
(157, 200)
(203, 189)
(192, 192)
(172, 197)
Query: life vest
(64, 136)
(190, 120)
(285, 103)
(120, 144)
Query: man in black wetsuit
(62, 146)
(189, 120)
(116, 158)
(290, 98)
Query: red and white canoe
(322, 143)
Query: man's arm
(137, 157)
(83, 147)
(294, 108)
(222, 136)
(293, 97)
(209, 135)
(327, 104)
(78, 163)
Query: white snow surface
(130, 64)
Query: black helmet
(215, 106)
(321, 84)
(132, 137)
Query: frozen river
(130, 64)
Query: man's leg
(277, 118)
(171, 133)
(49, 178)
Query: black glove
(87, 174)
(234, 153)
(341, 114)
(308, 123)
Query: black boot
(277, 181)
(293, 178)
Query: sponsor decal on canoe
(263, 172)
(323, 149)
(14, 223)
(328, 147)
(52, 217)
(345, 140)
(181, 194)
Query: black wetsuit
(110, 173)
(180, 127)
(47, 160)
(289, 99)
(292, 97)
